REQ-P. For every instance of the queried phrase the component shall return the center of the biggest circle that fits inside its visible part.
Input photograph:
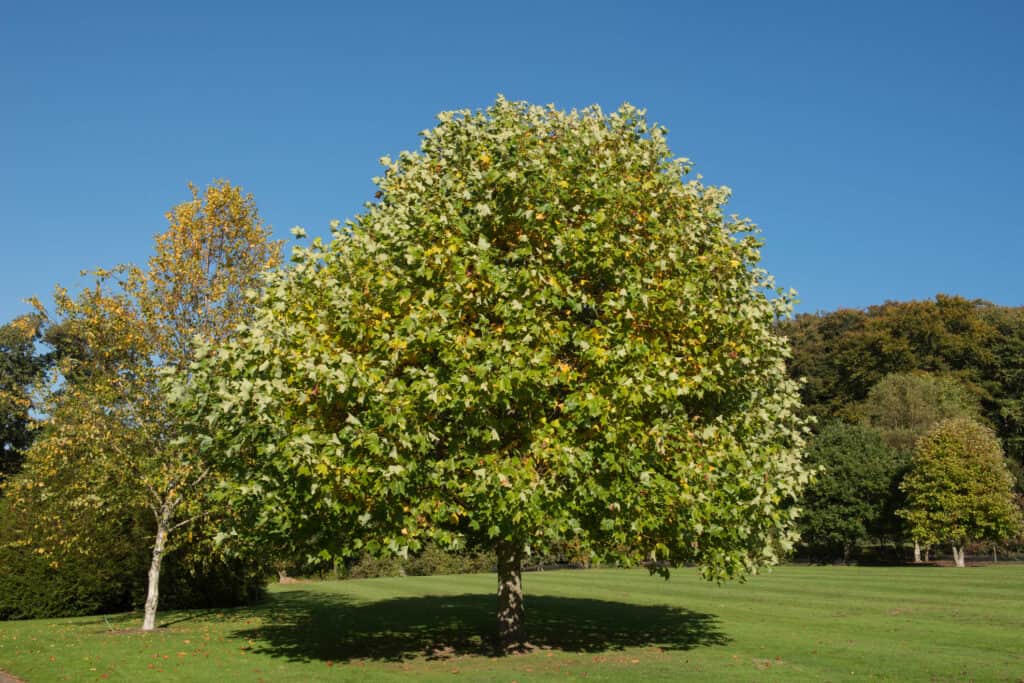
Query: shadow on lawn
(302, 626)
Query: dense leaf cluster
(958, 488)
(842, 354)
(901, 369)
(20, 367)
(540, 332)
(851, 500)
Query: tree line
(919, 411)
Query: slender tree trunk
(917, 552)
(511, 613)
(958, 555)
(153, 592)
(995, 558)
(927, 553)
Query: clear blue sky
(879, 145)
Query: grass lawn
(796, 623)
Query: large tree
(541, 331)
(110, 441)
(959, 488)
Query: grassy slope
(797, 623)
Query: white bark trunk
(153, 591)
(958, 555)
(917, 552)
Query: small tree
(959, 488)
(848, 501)
(540, 332)
(110, 441)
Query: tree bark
(511, 613)
(153, 592)
(958, 555)
(917, 552)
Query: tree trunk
(958, 555)
(917, 552)
(511, 626)
(153, 593)
(927, 553)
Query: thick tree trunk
(511, 614)
(958, 555)
(917, 552)
(153, 592)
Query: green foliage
(110, 447)
(73, 580)
(959, 488)
(1005, 408)
(540, 333)
(430, 561)
(98, 565)
(20, 367)
(904, 406)
(844, 353)
(849, 501)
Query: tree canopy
(959, 488)
(20, 367)
(848, 502)
(843, 354)
(904, 406)
(541, 331)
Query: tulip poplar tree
(542, 331)
(110, 442)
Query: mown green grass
(796, 623)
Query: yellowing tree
(110, 441)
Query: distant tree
(904, 406)
(1005, 384)
(848, 501)
(110, 441)
(842, 354)
(20, 367)
(540, 333)
(846, 352)
(959, 488)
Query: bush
(108, 574)
(431, 561)
(434, 560)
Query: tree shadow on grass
(302, 626)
